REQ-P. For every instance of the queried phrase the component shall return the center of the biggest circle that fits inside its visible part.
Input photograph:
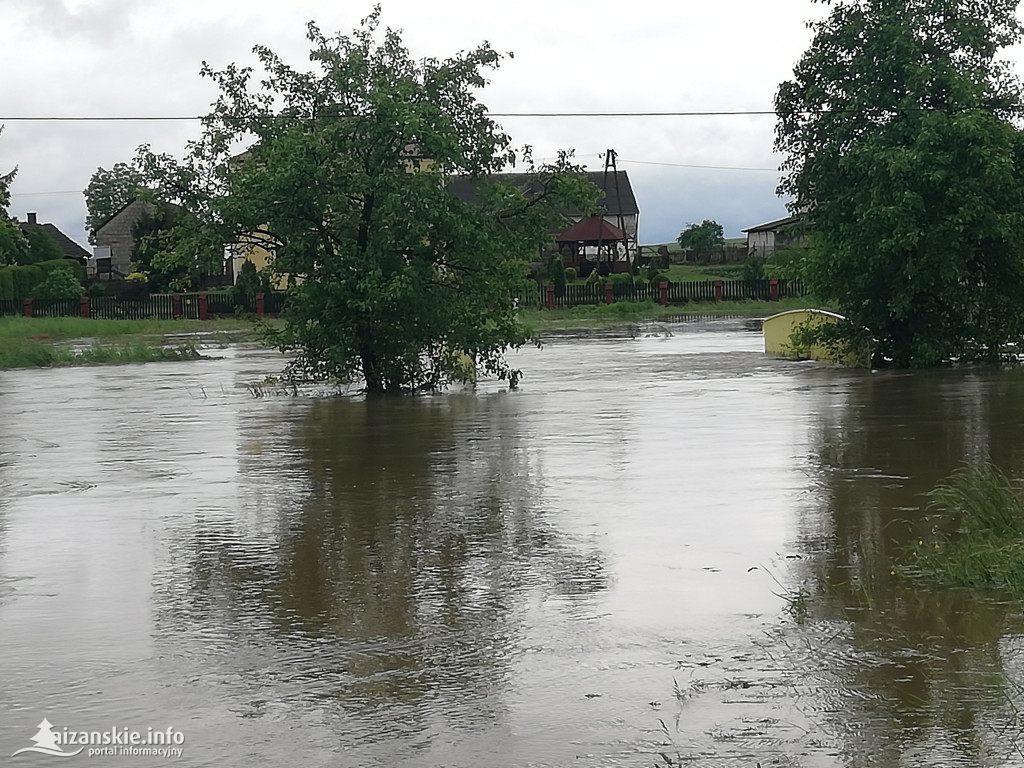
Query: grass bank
(984, 546)
(601, 315)
(79, 328)
(34, 342)
(26, 353)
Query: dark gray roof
(68, 247)
(618, 195)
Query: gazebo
(594, 233)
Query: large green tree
(903, 152)
(13, 245)
(702, 238)
(109, 191)
(371, 178)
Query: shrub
(58, 284)
(25, 279)
(570, 274)
(54, 264)
(6, 284)
(620, 278)
(753, 268)
(135, 286)
(250, 281)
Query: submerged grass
(23, 353)
(79, 327)
(598, 315)
(985, 547)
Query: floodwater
(664, 548)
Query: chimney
(31, 218)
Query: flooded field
(665, 548)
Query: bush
(55, 264)
(570, 274)
(620, 278)
(250, 281)
(6, 284)
(135, 286)
(59, 284)
(25, 279)
(753, 268)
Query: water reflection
(381, 559)
(919, 676)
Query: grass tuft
(986, 545)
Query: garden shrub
(59, 284)
(570, 274)
(6, 284)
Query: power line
(707, 167)
(169, 118)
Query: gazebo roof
(591, 231)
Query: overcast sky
(73, 58)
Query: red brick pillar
(550, 293)
(176, 306)
(773, 289)
(609, 293)
(203, 314)
(28, 308)
(260, 304)
(663, 293)
(718, 290)
(83, 307)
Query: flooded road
(665, 542)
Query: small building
(765, 239)
(589, 243)
(68, 247)
(617, 202)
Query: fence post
(773, 289)
(549, 293)
(260, 304)
(609, 293)
(176, 306)
(663, 293)
(203, 315)
(83, 307)
(27, 308)
(718, 290)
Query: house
(765, 239)
(115, 241)
(68, 247)
(582, 246)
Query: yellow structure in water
(778, 338)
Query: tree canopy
(703, 237)
(109, 191)
(902, 151)
(13, 245)
(349, 180)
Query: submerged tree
(349, 181)
(903, 154)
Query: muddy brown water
(665, 542)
